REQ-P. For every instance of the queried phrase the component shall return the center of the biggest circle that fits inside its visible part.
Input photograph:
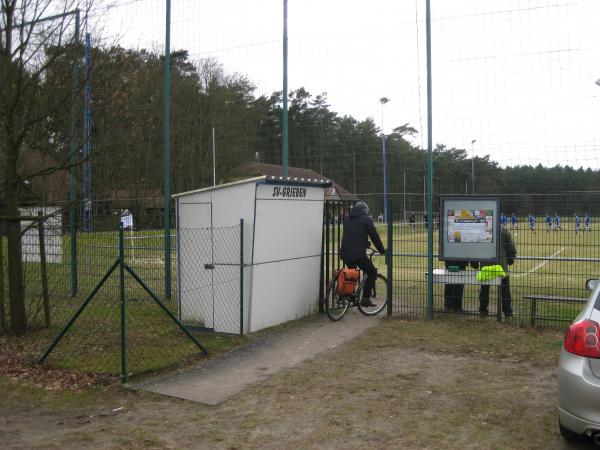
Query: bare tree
(34, 35)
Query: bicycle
(336, 305)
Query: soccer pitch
(550, 263)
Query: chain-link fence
(558, 249)
(206, 295)
(547, 281)
(227, 119)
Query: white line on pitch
(540, 265)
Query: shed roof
(335, 190)
(317, 182)
(219, 186)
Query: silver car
(579, 373)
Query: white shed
(282, 235)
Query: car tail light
(583, 339)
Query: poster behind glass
(469, 228)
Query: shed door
(195, 258)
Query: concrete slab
(218, 380)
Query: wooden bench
(550, 298)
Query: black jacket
(357, 231)
(508, 250)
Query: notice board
(469, 228)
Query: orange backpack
(347, 280)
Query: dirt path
(216, 381)
(405, 385)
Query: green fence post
(389, 256)
(241, 276)
(122, 304)
(429, 167)
(73, 160)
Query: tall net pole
(87, 122)
(429, 171)
(383, 101)
(166, 137)
(284, 132)
(73, 162)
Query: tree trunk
(10, 144)
(2, 310)
(16, 294)
(44, 271)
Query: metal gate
(334, 215)
(336, 212)
(209, 262)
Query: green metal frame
(154, 297)
(120, 263)
(122, 304)
(83, 305)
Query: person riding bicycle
(357, 231)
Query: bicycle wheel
(378, 297)
(335, 305)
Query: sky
(515, 76)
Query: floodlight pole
(284, 120)
(166, 149)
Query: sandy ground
(403, 385)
